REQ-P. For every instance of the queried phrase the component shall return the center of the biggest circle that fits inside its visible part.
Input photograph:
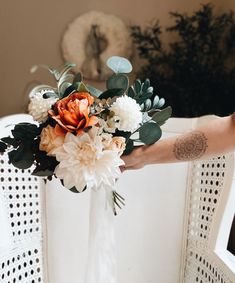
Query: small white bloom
(129, 113)
(83, 161)
(39, 106)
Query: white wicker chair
(210, 208)
(21, 219)
(193, 202)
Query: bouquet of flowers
(81, 132)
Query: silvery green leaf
(142, 107)
(160, 117)
(119, 64)
(118, 81)
(148, 104)
(64, 78)
(145, 117)
(94, 91)
(66, 69)
(63, 87)
(146, 85)
(137, 86)
(150, 89)
(155, 101)
(161, 102)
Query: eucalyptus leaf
(146, 85)
(118, 81)
(21, 158)
(161, 102)
(110, 93)
(63, 87)
(94, 91)
(119, 64)
(160, 117)
(148, 104)
(155, 101)
(149, 133)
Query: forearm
(214, 138)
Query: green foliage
(149, 133)
(118, 81)
(160, 117)
(196, 74)
(119, 65)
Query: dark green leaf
(68, 91)
(160, 117)
(10, 141)
(25, 131)
(110, 93)
(118, 81)
(146, 85)
(77, 78)
(129, 147)
(3, 147)
(144, 97)
(137, 86)
(50, 94)
(149, 133)
(41, 173)
(131, 92)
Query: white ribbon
(102, 262)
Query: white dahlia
(83, 161)
(129, 113)
(39, 106)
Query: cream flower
(129, 113)
(83, 161)
(118, 144)
(49, 140)
(39, 106)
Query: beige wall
(31, 32)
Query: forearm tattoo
(191, 146)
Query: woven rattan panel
(207, 181)
(22, 260)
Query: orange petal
(59, 131)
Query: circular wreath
(91, 39)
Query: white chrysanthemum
(129, 113)
(83, 161)
(39, 106)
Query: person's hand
(135, 160)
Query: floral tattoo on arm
(191, 146)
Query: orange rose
(72, 113)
